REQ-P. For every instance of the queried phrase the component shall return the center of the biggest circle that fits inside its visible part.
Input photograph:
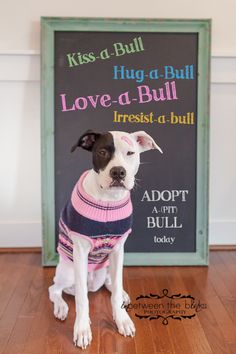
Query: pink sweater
(102, 223)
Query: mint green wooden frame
(203, 27)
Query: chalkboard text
(119, 49)
(164, 221)
(165, 195)
(187, 119)
(144, 94)
(164, 239)
(168, 73)
(133, 118)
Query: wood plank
(198, 283)
(41, 336)
(7, 287)
(156, 279)
(180, 337)
(11, 272)
(206, 317)
(193, 330)
(144, 339)
(227, 269)
(23, 266)
(161, 334)
(221, 280)
(27, 312)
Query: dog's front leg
(124, 323)
(82, 330)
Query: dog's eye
(130, 153)
(102, 152)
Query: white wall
(20, 213)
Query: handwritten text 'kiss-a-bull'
(118, 49)
(144, 94)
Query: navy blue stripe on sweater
(85, 226)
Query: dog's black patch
(101, 145)
(103, 151)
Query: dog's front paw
(124, 323)
(82, 333)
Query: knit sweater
(102, 223)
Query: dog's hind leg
(64, 278)
(125, 296)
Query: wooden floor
(27, 324)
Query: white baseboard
(221, 232)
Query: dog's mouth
(117, 183)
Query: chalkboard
(131, 75)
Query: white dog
(94, 226)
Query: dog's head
(116, 156)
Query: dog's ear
(86, 141)
(145, 141)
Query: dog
(94, 226)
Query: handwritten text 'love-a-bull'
(144, 94)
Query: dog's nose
(117, 173)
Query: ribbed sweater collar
(84, 196)
(103, 211)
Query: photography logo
(165, 307)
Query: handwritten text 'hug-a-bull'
(168, 72)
